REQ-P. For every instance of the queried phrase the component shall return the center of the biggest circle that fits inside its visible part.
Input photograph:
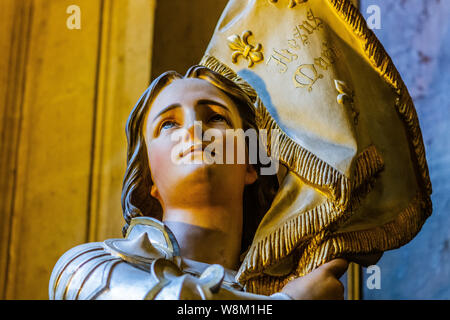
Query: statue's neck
(211, 235)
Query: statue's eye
(218, 118)
(168, 124)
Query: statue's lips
(196, 148)
(193, 149)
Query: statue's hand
(320, 284)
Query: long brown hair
(136, 198)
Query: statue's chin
(194, 173)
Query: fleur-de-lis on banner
(241, 47)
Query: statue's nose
(194, 132)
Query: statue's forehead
(182, 90)
(189, 92)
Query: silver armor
(146, 264)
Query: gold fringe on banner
(269, 250)
(326, 246)
(391, 235)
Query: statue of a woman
(204, 215)
(352, 182)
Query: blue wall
(416, 34)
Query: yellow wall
(183, 30)
(65, 96)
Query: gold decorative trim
(392, 235)
(266, 285)
(219, 67)
(269, 250)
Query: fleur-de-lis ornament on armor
(241, 47)
(292, 3)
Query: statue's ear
(154, 192)
(250, 175)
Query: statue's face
(175, 151)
